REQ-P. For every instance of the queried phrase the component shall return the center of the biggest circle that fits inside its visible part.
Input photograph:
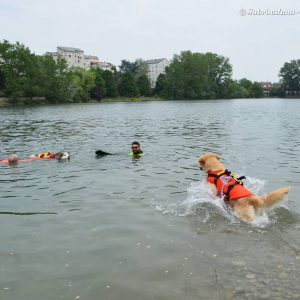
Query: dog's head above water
(210, 162)
(63, 155)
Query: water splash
(201, 202)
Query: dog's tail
(274, 197)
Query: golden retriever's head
(210, 162)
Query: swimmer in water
(136, 150)
(14, 159)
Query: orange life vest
(46, 155)
(228, 185)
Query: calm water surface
(116, 228)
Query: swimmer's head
(13, 159)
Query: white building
(75, 57)
(106, 66)
(156, 67)
(90, 61)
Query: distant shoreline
(43, 101)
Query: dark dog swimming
(100, 153)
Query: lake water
(116, 228)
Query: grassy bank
(138, 99)
(43, 101)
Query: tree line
(24, 74)
(189, 76)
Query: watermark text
(267, 12)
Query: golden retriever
(225, 184)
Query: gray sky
(257, 45)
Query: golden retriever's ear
(202, 160)
(216, 156)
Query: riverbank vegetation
(24, 74)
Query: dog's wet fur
(102, 153)
(246, 208)
(63, 155)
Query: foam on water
(200, 201)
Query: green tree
(2, 79)
(277, 90)
(142, 68)
(219, 71)
(233, 90)
(99, 90)
(82, 83)
(28, 75)
(196, 76)
(253, 89)
(290, 74)
(127, 86)
(247, 85)
(257, 90)
(18, 67)
(143, 85)
(160, 85)
(110, 83)
(5, 47)
(128, 67)
(55, 79)
(136, 68)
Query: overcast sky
(257, 45)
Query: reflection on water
(118, 228)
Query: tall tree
(110, 83)
(99, 90)
(219, 72)
(277, 90)
(18, 67)
(136, 68)
(253, 89)
(290, 74)
(127, 86)
(128, 67)
(2, 79)
(257, 90)
(196, 76)
(56, 79)
(27, 75)
(160, 85)
(143, 85)
(142, 68)
(82, 84)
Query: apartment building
(155, 68)
(75, 57)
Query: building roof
(52, 53)
(91, 57)
(105, 64)
(154, 61)
(70, 49)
